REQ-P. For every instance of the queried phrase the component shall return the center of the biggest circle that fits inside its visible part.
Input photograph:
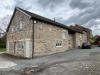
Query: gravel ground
(73, 62)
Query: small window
(21, 26)
(12, 30)
(64, 34)
(20, 45)
(58, 43)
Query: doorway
(14, 47)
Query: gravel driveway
(65, 63)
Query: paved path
(5, 63)
(76, 55)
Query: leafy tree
(97, 40)
(3, 42)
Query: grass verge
(2, 49)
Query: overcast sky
(69, 12)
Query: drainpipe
(33, 39)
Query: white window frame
(64, 34)
(59, 42)
(12, 30)
(21, 26)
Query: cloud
(50, 4)
(83, 12)
(6, 7)
(4, 22)
(78, 4)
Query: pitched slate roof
(81, 29)
(38, 17)
(75, 29)
(41, 18)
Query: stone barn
(30, 35)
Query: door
(14, 47)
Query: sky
(68, 12)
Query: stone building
(30, 35)
(76, 38)
(85, 36)
(87, 32)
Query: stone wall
(79, 39)
(70, 41)
(85, 38)
(49, 39)
(19, 33)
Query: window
(20, 45)
(64, 34)
(12, 30)
(58, 43)
(19, 26)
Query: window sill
(58, 46)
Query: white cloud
(84, 12)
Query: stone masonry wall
(79, 39)
(71, 41)
(17, 37)
(49, 39)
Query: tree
(3, 41)
(97, 39)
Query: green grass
(2, 49)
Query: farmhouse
(30, 35)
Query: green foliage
(92, 40)
(2, 49)
(97, 40)
(3, 42)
